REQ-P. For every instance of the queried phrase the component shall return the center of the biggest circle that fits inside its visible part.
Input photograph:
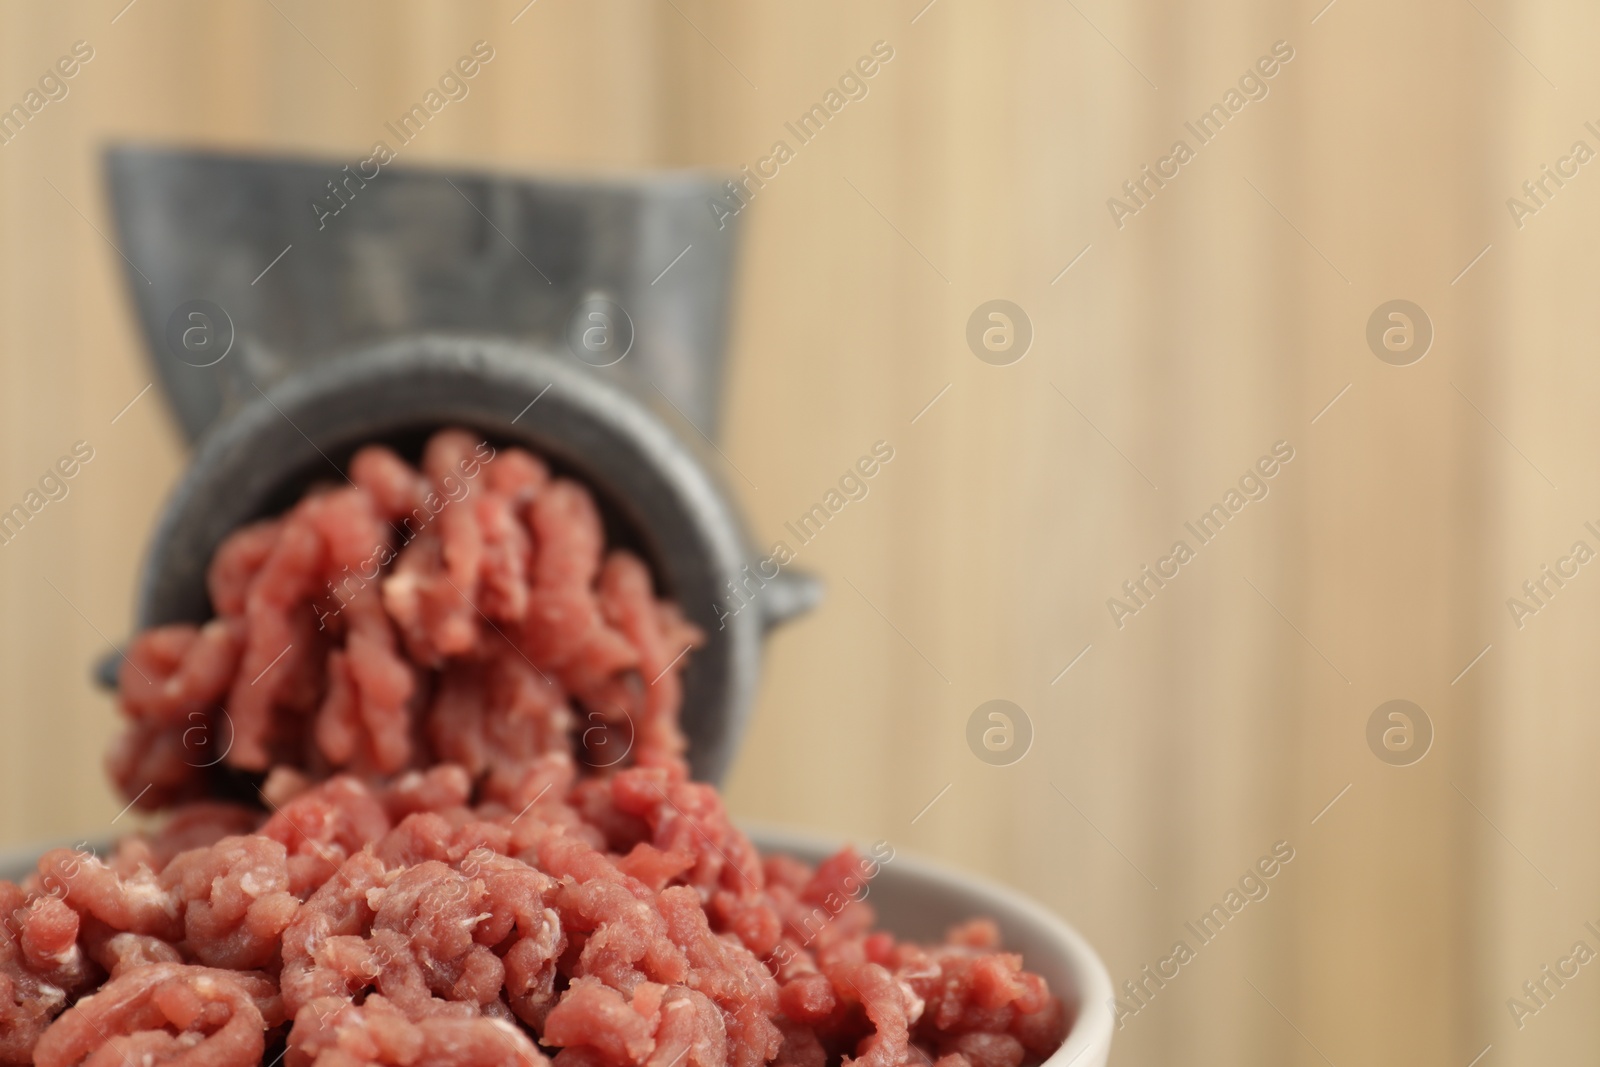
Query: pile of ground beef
(473, 838)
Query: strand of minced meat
(477, 841)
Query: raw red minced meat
(477, 841)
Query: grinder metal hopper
(297, 310)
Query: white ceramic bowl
(919, 900)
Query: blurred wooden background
(1223, 317)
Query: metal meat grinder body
(298, 310)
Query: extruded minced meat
(472, 839)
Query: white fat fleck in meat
(69, 957)
(150, 892)
(400, 591)
(915, 1005)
